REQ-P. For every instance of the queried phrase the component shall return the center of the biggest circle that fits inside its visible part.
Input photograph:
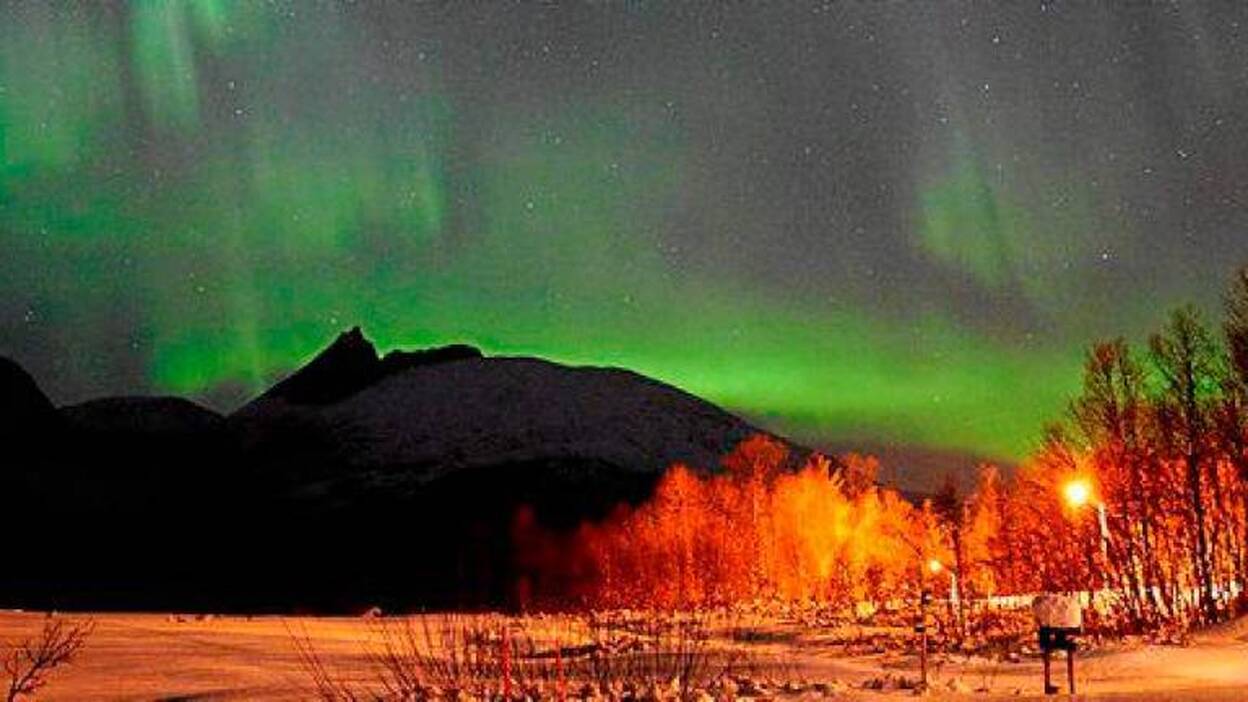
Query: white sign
(1057, 611)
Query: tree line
(759, 528)
(1137, 498)
(1160, 436)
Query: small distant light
(935, 566)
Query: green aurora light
(219, 185)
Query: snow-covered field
(156, 656)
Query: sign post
(1059, 620)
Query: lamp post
(932, 567)
(925, 598)
(1078, 493)
(955, 593)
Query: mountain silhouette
(143, 415)
(356, 480)
(465, 411)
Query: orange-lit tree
(756, 530)
(1137, 497)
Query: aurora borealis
(890, 223)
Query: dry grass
(620, 655)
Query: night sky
(889, 223)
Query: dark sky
(889, 223)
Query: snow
(432, 419)
(147, 656)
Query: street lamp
(935, 567)
(955, 599)
(1078, 492)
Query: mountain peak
(350, 345)
(351, 364)
(344, 367)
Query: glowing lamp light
(1077, 492)
(934, 565)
